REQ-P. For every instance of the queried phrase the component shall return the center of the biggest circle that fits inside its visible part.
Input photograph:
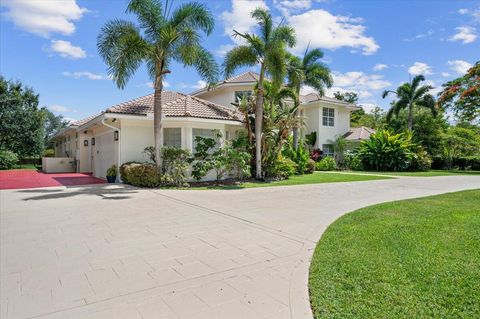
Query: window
(203, 133)
(172, 137)
(328, 118)
(241, 94)
(327, 149)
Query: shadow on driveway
(108, 192)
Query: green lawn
(408, 259)
(315, 178)
(428, 173)
(27, 166)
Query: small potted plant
(112, 174)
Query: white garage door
(104, 154)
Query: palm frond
(195, 16)
(123, 49)
(238, 57)
(416, 81)
(264, 19)
(284, 34)
(149, 14)
(206, 65)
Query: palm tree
(307, 71)
(411, 95)
(267, 49)
(162, 37)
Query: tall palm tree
(267, 50)
(411, 95)
(307, 71)
(162, 37)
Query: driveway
(107, 251)
(29, 178)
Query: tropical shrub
(316, 154)
(299, 156)
(353, 161)
(175, 164)
(421, 161)
(311, 139)
(386, 151)
(48, 153)
(310, 166)
(282, 168)
(8, 160)
(238, 163)
(141, 174)
(326, 164)
(459, 162)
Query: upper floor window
(172, 137)
(239, 95)
(328, 116)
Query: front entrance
(104, 154)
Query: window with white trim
(239, 95)
(172, 137)
(328, 116)
(327, 149)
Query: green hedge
(8, 160)
(140, 174)
(462, 162)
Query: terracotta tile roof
(359, 133)
(178, 105)
(310, 97)
(85, 120)
(247, 77)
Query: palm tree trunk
(157, 119)
(258, 125)
(295, 114)
(410, 118)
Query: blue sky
(370, 46)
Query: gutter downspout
(119, 145)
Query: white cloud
(459, 66)
(44, 17)
(86, 74)
(223, 49)
(289, 6)
(322, 29)
(60, 108)
(67, 50)
(239, 18)
(420, 68)
(359, 81)
(463, 11)
(436, 88)
(199, 85)
(379, 67)
(445, 74)
(465, 34)
(165, 84)
(368, 107)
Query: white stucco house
(121, 132)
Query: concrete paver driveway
(108, 251)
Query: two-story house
(121, 132)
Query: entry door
(104, 154)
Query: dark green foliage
(141, 174)
(460, 162)
(21, 121)
(350, 97)
(8, 160)
(299, 156)
(53, 124)
(326, 164)
(386, 151)
(282, 168)
(150, 152)
(112, 171)
(175, 164)
(311, 139)
(421, 161)
(416, 258)
(353, 161)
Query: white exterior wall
(84, 154)
(325, 134)
(225, 95)
(57, 164)
(105, 150)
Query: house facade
(120, 133)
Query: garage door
(104, 154)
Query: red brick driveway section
(18, 179)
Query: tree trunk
(258, 125)
(410, 118)
(295, 129)
(157, 119)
